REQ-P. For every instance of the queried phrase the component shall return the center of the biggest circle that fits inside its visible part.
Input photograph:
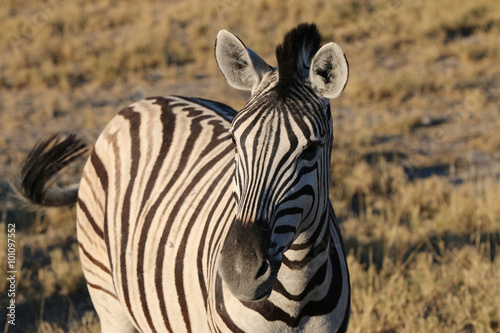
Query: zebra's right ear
(242, 68)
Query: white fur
(329, 71)
(242, 68)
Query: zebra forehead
(272, 111)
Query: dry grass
(415, 177)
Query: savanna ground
(415, 166)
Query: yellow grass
(415, 167)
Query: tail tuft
(44, 161)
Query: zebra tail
(45, 161)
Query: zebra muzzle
(244, 265)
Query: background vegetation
(416, 162)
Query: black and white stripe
(180, 232)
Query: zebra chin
(244, 264)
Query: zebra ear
(242, 68)
(329, 71)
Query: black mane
(304, 37)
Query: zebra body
(178, 232)
(155, 210)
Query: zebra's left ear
(242, 68)
(329, 71)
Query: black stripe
(100, 170)
(179, 260)
(195, 130)
(134, 119)
(212, 253)
(89, 217)
(284, 163)
(179, 263)
(95, 198)
(191, 112)
(312, 253)
(331, 299)
(317, 279)
(97, 287)
(94, 260)
(288, 211)
(272, 313)
(168, 120)
(316, 234)
(227, 112)
(102, 174)
(221, 308)
(284, 229)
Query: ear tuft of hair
(294, 55)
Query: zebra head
(283, 138)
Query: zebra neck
(306, 266)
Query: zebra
(193, 217)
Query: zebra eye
(310, 151)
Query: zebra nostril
(262, 270)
